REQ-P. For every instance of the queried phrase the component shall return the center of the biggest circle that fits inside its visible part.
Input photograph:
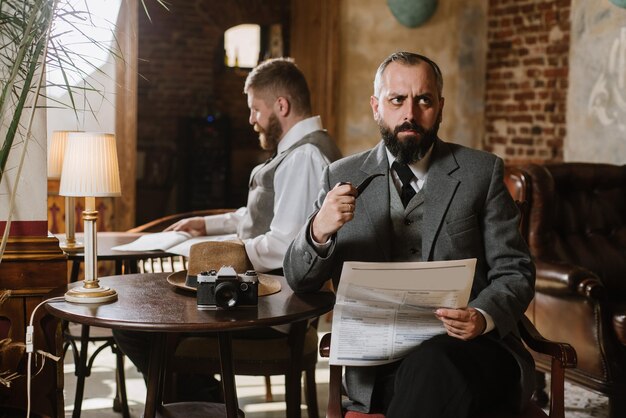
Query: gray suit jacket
(468, 213)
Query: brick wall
(181, 76)
(527, 79)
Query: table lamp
(55, 164)
(90, 169)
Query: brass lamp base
(91, 295)
(72, 247)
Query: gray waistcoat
(261, 194)
(406, 244)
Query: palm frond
(26, 48)
(25, 62)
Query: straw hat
(211, 255)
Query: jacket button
(414, 250)
(408, 221)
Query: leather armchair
(577, 235)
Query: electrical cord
(30, 348)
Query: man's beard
(269, 138)
(412, 148)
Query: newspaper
(384, 310)
(173, 242)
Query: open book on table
(174, 242)
(384, 310)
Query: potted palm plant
(28, 47)
(24, 32)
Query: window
(88, 32)
(242, 45)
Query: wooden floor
(100, 387)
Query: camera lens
(226, 294)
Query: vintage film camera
(226, 289)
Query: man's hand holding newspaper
(383, 310)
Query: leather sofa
(577, 234)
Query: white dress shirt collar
(299, 131)
(419, 169)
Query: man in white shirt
(281, 195)
(283, 189)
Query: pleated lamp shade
(55, 153)
(90, 166)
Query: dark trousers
(446, 377)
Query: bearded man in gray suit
(436, 201)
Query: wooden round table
(125, 262)
(147, 302)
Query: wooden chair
(160, 224)
(289, 355)
(84, 334)
(174, 262)
(561, 356)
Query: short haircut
(407, 58)
(280, 77)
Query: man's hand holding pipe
(337, 209)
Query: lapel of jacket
(375, 200)
(440, 189)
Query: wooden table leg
(293, 377)
(228, 374)
(155, 376)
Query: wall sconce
(90, 169)
(412, 13)
(55, 165)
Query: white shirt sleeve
(323, 248)
(224, 223)
(296, 186)
(489, 324)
